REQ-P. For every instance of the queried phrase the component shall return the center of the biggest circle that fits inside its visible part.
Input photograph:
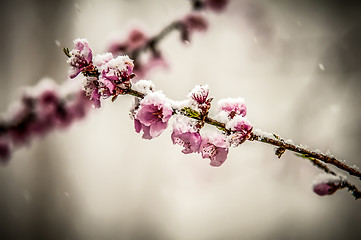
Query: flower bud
(326, 184)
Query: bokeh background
(297, 64)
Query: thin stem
(294, 148)
(135, 93)
(156, 39)
(351, 188)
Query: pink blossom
(41, 110)
(233, 106)
(19, 131)
(136, 39)
(186, 136)
(116, 74)
(327, 184)
(48, 98)
(200, 98)
(93, 89)
(80, 106)
(80, 57)
(48, 102)
(153, 115)
(68, 111)
(323, 189)
(215, 148)
(139, 127)
(42, 124)
(193, 23)
(200, 94)
(142, 68)
(242, 130)
(51, 112)
(114, 78)
(63, 117)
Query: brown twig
(314, 157)
(298, 149)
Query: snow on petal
(143, 86)
(184, 134)
(153, 114)
(214, 147)
(80, 57)
(233, 106)
(241, 128)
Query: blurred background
(297, 64)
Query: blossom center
(210, 149)
(158, 114)
(182, 143)
(78, 61)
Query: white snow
(237, 119)
(321, 66)
(44, 84)
(199, 90)
(328, 154)
(215, 137)
(231, 101)
(328, 178)
(303, 146)
(184, 124)
(88, 86)
(143, 86)
(86, 50)
(355, 167)
(119, 62)
(101, 59)
(222, 117)
(261, 133)
(181, 104)
(318, 151)
(156, 98)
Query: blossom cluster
(106, 76)
(153, 112)
(42, 109)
